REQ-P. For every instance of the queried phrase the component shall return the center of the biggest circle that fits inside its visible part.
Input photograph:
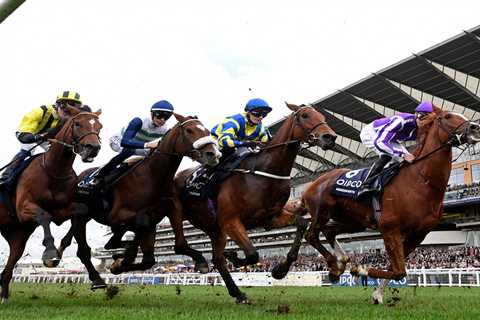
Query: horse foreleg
(218, 246)
(394, 248)
(331, 230)
(237, 232)
(50, 257)
(79, 210)
(79, 226)
(146, 240)
(181, 244)
(17, 239)
(286, 219)
(115, 241)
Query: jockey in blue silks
(244, 129)
(138, 138)
(385, 135)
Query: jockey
(138, 138)
(35, 126)
(384, 136)
(244, 129)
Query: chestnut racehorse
(411, 204)
(253, 196)
(46, 188)
(143, 197)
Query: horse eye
(304, 115)
(448, 116)
(189, 131)
(76, 125)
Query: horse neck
(165, 160)
(279, 160)
(59, 158)
(437, 166)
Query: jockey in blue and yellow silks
(244, 129)
(35, 124)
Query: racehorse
(411, 204)
(253, 196)
(142, 198)
(46, 188)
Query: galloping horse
(46, 188)
(253, 196)
(143, 197)
(411, 204)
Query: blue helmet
(257, 104)
(162, 105)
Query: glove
(152, 144)
(252, 144)
(40, 138)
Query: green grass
(69, 301)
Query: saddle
(349, 183)
(100, 199)
(205, 181)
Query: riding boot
(17, 159)
(376, 168)
(99, 180)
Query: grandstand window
(476, 173)
(456, 177)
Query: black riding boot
(99, 180)
(377, 167)
(7, 174)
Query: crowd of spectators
(461, 191)
(422, 258)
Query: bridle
(76, 139)
(192, 152)
(311, 138)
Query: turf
(69, 301)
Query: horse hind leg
(280, 270)
(17, 239)
(331, 230)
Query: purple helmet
(424, 107)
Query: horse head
(310, 126)
(452, 127)
(194, 140)
(80, 132)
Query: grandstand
(447, 74)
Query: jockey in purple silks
(385, 136)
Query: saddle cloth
(349, 183)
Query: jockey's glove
(40, 137)
(252, 144)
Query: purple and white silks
(384, 134)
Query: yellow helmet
(70, 96)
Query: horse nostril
(329, 137)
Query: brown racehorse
(143, 197)
(411, 204)
(45, 190)
(253, 197)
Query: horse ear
(98, 112)
(179, 117)
(292, 107)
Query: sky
(206, 57)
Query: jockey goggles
(162, 114)
(259, 113)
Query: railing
(422, 278)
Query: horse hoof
(99, 284)
(116, 267)
(242, 299)
(333, 277)
(50, 258)
(377, 298)
(202, 267)
(279, 271)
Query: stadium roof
(446, 74)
